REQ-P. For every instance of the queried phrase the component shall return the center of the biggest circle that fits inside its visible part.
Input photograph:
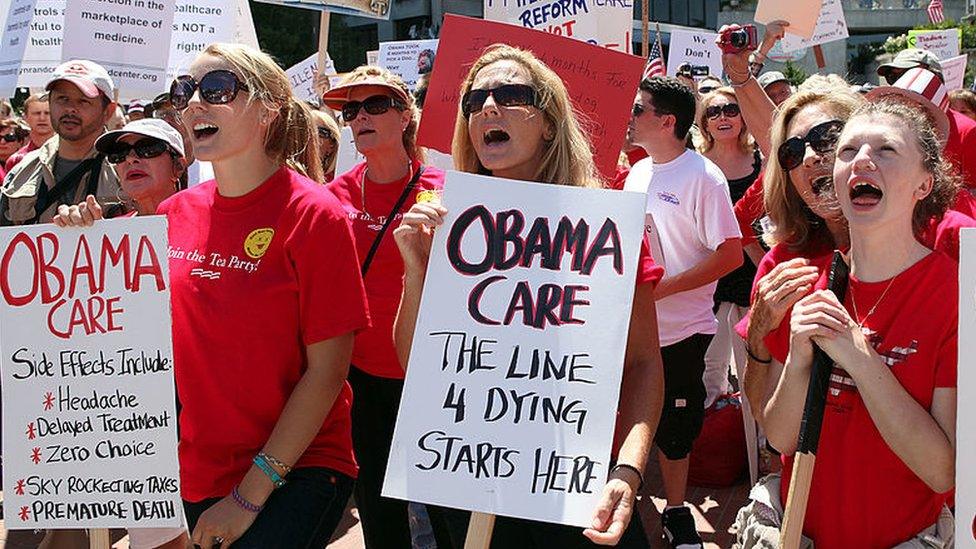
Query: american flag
(935, 11)
(655, 62)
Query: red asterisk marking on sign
(31, 435)
(20, 487)
(48, 401)
(24, 513)
(36, 456)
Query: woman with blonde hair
(379, 109)
(266, 298)
(516, 121)
(328, 132)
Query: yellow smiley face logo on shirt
(256, 243)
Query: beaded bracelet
(276, 462)
(269, 471)
(243, 503)
(640, 476)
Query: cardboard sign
(509, 404)
(601, 23)
(954, 70)
(13, 41)
(374, 9)
(131, 42)
(302, 77)
(89, 419)
(408, 58)
(966, 404)
(43, 52)
(831, 26)
(601, 82)
(695, 48)
(802, 15)
(942, 43)
(196, 25)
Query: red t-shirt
(15, 158)
(286, 276)
(862, 494)
(374, 352)
(617, 183)
(960, 146)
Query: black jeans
(375, 402)
(301, 514)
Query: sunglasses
(507, 95)
(822, 138)
(144, 148)
(707, 89)
(11, 137)
(324, 133)
(730, 110)
(217, 87)
(375, 104)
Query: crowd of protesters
(752, 183)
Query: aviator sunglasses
(217, 87)
(822, 138)
(730, 110)
(144, 148)
(506, 95)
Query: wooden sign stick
(813, 410)
(818, 54)
(98, 538)
(644, 22)
(480, 528)
(323, 38)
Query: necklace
(362, 186)
(860, 323)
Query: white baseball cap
(148, 127)
(90, 77)
(924, 88)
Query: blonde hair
(372, 72)
(793, 220)
(746, 143)
(329, 123)
(34, 98)
(291, 138)
(567, 158)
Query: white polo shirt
(689, 215)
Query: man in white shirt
(694, 235)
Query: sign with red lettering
(510, 399)
(606, 23)
(601, 82)
(89, 420)
(965, 511)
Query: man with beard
(37, 115)
(66, 168)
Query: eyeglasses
(637, 110)
(822, 138)
(730, 110)
(217, 87)
(144, 148)
(506, 95)
(324, 133)
(706, 89)
(11, 137)
(374, 104)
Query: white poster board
(372, 56)
(245, 33)
(408, 58)
(695, 48)
(131, 42)
(43, 52)
(607, 24)
(302, 76)
(966, 404)
(954, 71)
(89, 429)
(831, 26)
(479, 427)
(13, 41)
(802, 15)
(942, 43)
(197, 24)
(347, 155)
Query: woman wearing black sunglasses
(378, 107)
(266, 298)
(328, 132)
(516, 121)
(12, 138)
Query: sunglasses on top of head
(822, 138)
(144, 148)
(730, 110)
(506, 95)
(217, 87)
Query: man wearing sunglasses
(67, 167)
(694, 235)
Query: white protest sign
(510, 399)
(966, 387)
(802, 15)
(954, 70)
(347, 155)
(831, 26)
(302, 76)
(43, 52)
(601, 22)
(409, 59)
(374, 9)
(372, 56)
(13, 42)
(197, 24)
(245, 33)
(89, 429)
(695, 48)
(131, 42)
(941, 43)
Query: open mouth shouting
(203, 130)
(494, 136)
(864, 194)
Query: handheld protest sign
(510, 399)
(408, 59)
(89, 430)
(831, 26)
(604, 24)
(813, 410)
(374, 9)
(601, 82)
(965, 511)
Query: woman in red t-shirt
(266, 298)
(511, 133)
(379, 109)
(886, 462)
